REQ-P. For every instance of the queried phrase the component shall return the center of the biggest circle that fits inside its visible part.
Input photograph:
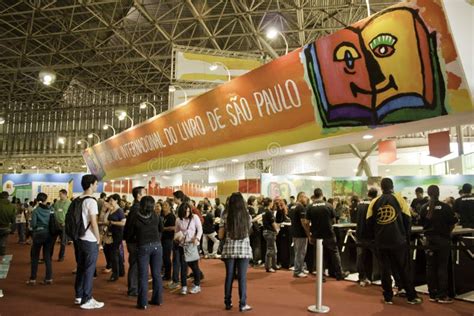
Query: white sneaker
(301, 275)
(1, 293)
(196, 289)
(173, 286)
(92, 304)
(184, 290)
(77, 301)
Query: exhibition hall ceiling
(125, 46)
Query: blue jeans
(115, 256)
(87, 253)
(21, 232)
(62, 235)
(150, 255)
(43, 240)
(271, 255)
(4, 231)
(167, 249)
(132, 277)
(300, 245)
(177, 264)
(242, 266)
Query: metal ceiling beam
(198, 16)
(249, 24)
(128, 42)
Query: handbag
(191, 252)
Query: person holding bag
(116, 221)
(236, 253)
(188, 233)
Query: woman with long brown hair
(438, 221)
(234, 228)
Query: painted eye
(383, 45)
(383, 51)
(347, 54)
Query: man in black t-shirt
(300, 241)
(364, 243)
(464, 207)
(321, 216)
(417, 203)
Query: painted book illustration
(94, 165)
(382, 70)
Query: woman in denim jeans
(147, 227)
(41, 239)
(270, 231)
(234, 227)
(189, 226)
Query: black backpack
(74, 223)
(54, 227)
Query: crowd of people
(166, 237)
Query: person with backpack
(82, 228)
(40, 223)
(60, 208)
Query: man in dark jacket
(132, 277)
(7, 218)
(389, 222)
(364, 244)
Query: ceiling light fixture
(272, 33)
(196, 167)
(47, 77)
(61, 140)
(289, 151)
(2, 120)
(235, 160)
(368, 136)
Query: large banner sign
(397, 66)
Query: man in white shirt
(87, 246)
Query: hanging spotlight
(2, 120)
(47, 76)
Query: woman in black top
(147, 227)
(116, 221)
(438, 221)
(270, 231)
(169, 221)
(283, 239)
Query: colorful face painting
(384, 70)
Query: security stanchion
(319, 307)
